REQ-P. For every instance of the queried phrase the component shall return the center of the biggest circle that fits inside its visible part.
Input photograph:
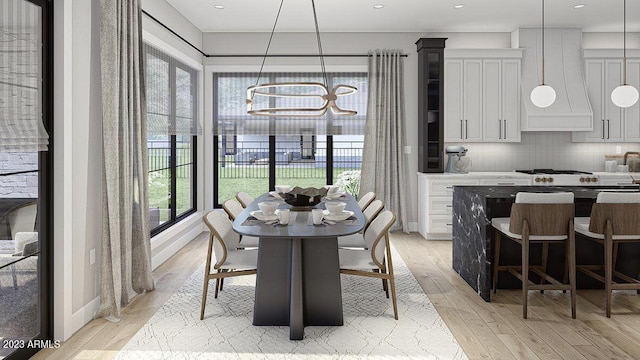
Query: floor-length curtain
(126, 249)
(383, 163)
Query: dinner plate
(262, 217)
(336, 196)
(276, 195)
(339, 217)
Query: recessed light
(219, 7)
(459, 6)
(578, 6)
(378, 6)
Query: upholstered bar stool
(545, 218)
(615, 219)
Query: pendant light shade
(625, 95)
(543, 95)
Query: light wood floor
(493, 330)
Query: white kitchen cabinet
(463, 101)
(610, 123)
(506, 182)
(482, 96)
(501, 105)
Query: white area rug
(369, 331)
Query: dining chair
(545, 218)
(366, 199)
(357, 240)
(613, 221)
(233, 209)
(244, 199)
(362, 261)
(228, 261)
(22, 223)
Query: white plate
(276, 195)
(260, 216)
(336, 196)
(343, 216)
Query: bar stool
(545, 218)
(614, 220)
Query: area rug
(176, 332)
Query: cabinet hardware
(466, 129)
(460, 129)
(625, 183)
(449, 205)
(608, 130)
(449, 187)
(449, 224)
(602, 129)
(505, 129)
(506, 183)
(500, 127)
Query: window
(253, 153)
(172, 118)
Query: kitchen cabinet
(482, 95)
(610, 123)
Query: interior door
(613, 113)
(632, 114)
(511, 100)
(492, 117)
(472, 95)
(453, 116)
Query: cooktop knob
(550, 179)
(582, 179)
(538, 179)
(594, 179)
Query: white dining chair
(366, 199)
(613, 221)
(244, 199)
(227, 261)
(357, 240)
(372, 263)
(233, 209)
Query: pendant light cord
(269, 43)
(543, 42)
(624, 47)
(315, 19)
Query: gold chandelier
(283, 90)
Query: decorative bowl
(335, 207)
(304, 198)
(268, 208)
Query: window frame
(174, 217)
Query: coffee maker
(455, 162)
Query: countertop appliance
(455, 162)
(551, 177)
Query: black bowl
(304, 198)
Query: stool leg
(545, 257)
(525, 270)
(615, 257)
(572, 271)
(608, 270)
(496, 261)
(567, 250)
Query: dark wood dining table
(298, 277)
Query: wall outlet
(92, 256)
(407, 149)
(618, 149)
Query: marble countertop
(478, 175)
(505, 192)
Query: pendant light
(297, 90)
(624, 95)
(543, 95)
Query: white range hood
(563, 71)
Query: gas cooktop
(553, 172)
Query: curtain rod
(249, 55)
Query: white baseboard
(81, 317)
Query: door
(492, 115)
(632, 114)
(472, 100)
(453, 116)
(613, 113)
(595, 79)
(510, 96)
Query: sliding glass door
(25, 178)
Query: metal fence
(160, 160)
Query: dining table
(298, 272)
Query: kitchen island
(473, 237)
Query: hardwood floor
(493, 330)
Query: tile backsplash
(542, 150)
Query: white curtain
(126, 249)
(383, 161)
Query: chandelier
(297, 90)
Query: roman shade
(21, 127)
(230, 109)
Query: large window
(172, 114)
(254, 153)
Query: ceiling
(407, 15)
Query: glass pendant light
(543, 95)
(624, 95)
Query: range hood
(563, 71)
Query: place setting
(269, 214)
(334, 213)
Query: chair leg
(572, 273)
(565, 278)
(496, 261)
(545, 257)
(525, 271)
(207, 274)
(384, 283)
(222, 281)
(392, 281)
(215, 296)
(608, 270)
